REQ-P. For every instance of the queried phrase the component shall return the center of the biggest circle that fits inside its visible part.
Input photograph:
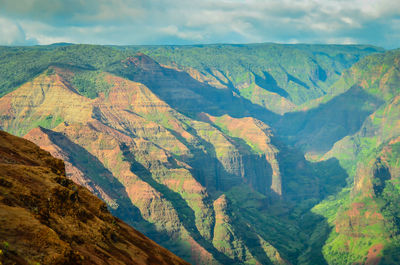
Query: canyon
(224, 154)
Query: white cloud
(11, 33)
(206, 21)
(173, 30)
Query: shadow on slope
(185, 94)
(185, 213)
(224, 180)
(329, 181)
(303, 180)
(313, 130)
(102, 177)
(190, 96)
(306, 189)
(305, 184)
(317, 129)
(270, 84)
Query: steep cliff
(47, 219)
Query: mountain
(223, 154)
(275, 76)
(48, 219)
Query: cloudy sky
(27, 22)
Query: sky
(127, 22)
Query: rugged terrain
(48, 219)
(224, 154)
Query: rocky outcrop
(256, 137)
(47, 219)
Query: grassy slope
(365, 154)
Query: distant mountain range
(224, 154)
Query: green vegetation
(5, 246)
(367, 157)
(299, 72)
(302, 72)
(48, 122)
(21, 64)
(90, 83)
